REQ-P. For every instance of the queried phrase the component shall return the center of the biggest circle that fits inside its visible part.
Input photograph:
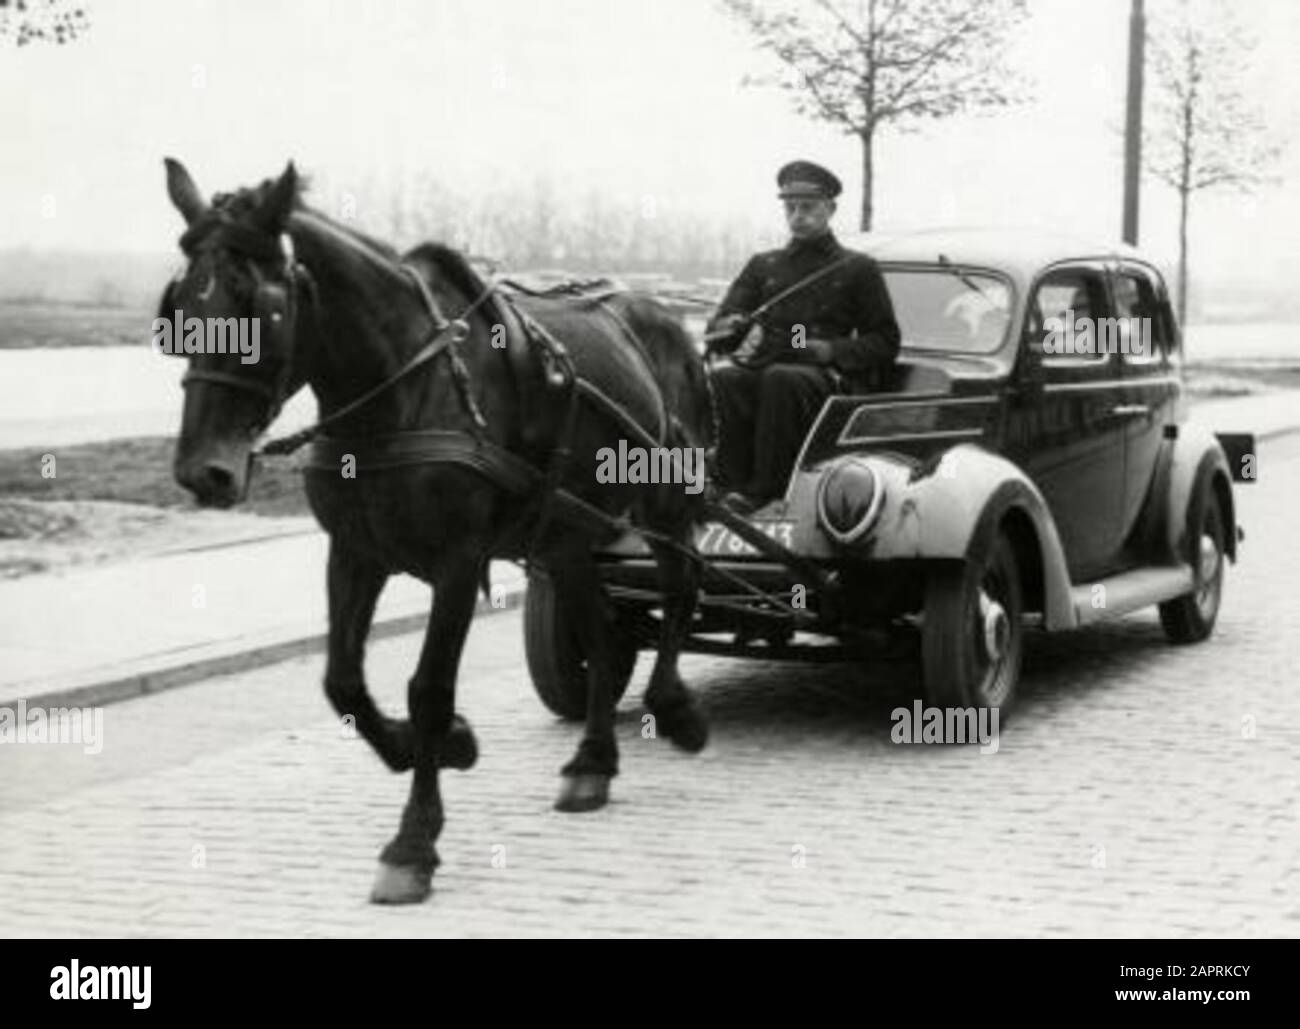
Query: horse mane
(241, 205)
(359, 240)
(451, 263)
(243, 202)
(455, 266)
(235, 214)
(240, 208)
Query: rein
(447, 336)
(279, 302)
(756, 315)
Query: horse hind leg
(585, 778)
(676, 712)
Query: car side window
(1062, 315)
(1144, 329)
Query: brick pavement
(1123, 743)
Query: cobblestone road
(1142, 790)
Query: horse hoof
(400, 884)
(397, 746)
(586, 791)
(459, 747)
(691, 732)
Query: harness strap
(615, 410)
(446, 446)
(561, 373)
(639, 346)
(243, 382)
(288, 444)
(555, 470)
(446, 334)
(424, 446)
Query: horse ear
(184, 194)
(275, 207)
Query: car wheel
(556, 663)
(972, 637)
(1191, 617)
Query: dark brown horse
(441, 417)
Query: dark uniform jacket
(848, 307)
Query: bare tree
(863, 64)
(531, 226)
(544, 224)
(41, 21)
(600, 233)
(1204, 131)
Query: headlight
(848, 500)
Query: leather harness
(279, 303)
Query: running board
(1129, 592)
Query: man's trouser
(764, 415)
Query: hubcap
(997, 628)
(1207, 573)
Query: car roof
(1020, 252)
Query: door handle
(1130, 410)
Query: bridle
(275, 304)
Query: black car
(1020, 472)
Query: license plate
(716, 540)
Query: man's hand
(722, 333)
(729, 324)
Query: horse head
(241, 283)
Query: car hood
(949, 408)
(909, 429)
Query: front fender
(942, 511)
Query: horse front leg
(441, 738)
(354, 583)
(676, 712)
(585, 779)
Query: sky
(628, 98)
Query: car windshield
(949, 308)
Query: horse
(442, 442)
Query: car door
(1150, 385)
(1070, 441)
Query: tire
(1191, 617)
(556, 663)
(972, 651)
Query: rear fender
(1196, 460)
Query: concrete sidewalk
(99, 634)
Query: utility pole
(1137, 31)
